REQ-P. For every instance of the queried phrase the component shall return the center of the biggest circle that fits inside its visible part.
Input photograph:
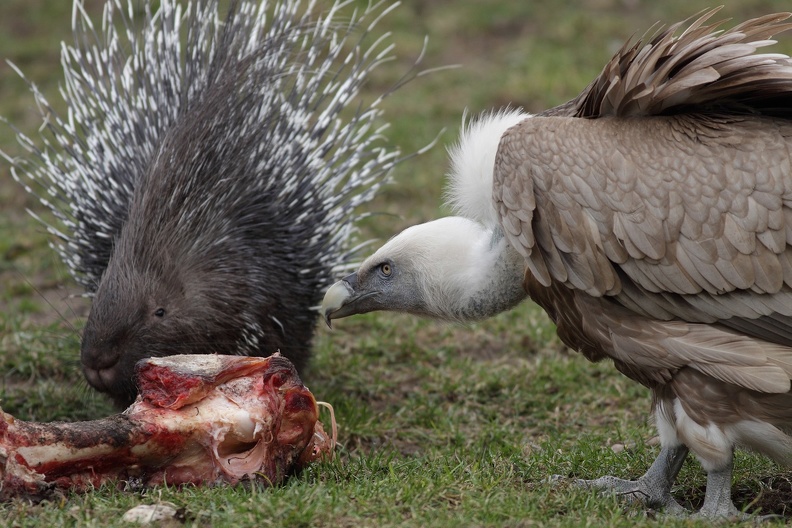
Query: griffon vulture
(651, 217)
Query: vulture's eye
(385, 269)
(159, 312)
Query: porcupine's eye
(159, 312)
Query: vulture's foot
(653, 488)
(643, 490)
(717, 500)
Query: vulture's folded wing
(685, 216)
(675, 172)
(682, 204)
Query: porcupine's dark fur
(206, 188)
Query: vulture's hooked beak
(343, 299)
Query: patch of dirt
(774, 496)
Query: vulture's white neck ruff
(469, 191)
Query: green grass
(439, 425)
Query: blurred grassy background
(440, 425)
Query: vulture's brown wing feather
(699, 67)
(652, 350)
(679, 204)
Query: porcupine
(207, 174)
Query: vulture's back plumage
(682, 220)
(651, 217)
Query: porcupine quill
(206, 174)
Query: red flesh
(202, 419)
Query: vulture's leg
(654, 487)
(717, 498)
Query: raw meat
(198, 419)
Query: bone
(198, 419)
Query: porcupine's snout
(105, 365)
(102, 374)
(126, 317)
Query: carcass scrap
(198, 419)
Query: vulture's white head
(455, 268)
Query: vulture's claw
(654, 487)
(642, 490)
